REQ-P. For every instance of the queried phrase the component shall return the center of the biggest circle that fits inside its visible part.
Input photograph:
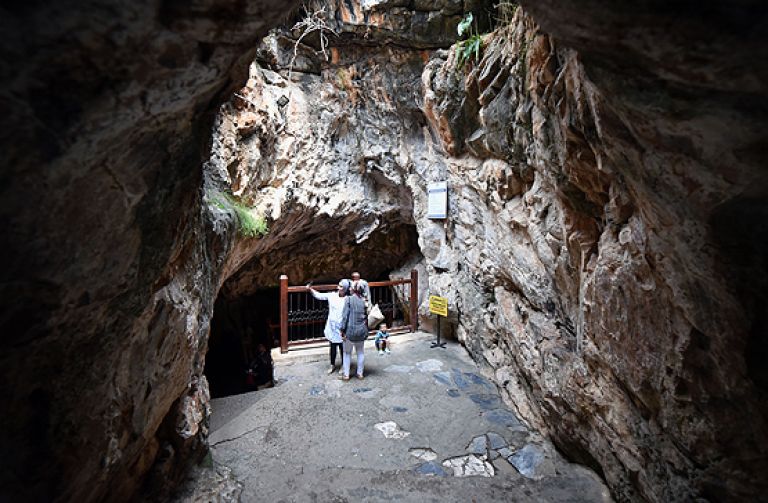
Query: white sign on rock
(437, 201)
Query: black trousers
(334, 347)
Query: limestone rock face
(331, 148)
(586, 257)
(109, 264)
(587, 251)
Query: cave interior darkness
(238, 327)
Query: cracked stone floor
(423, 426)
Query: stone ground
(423, 426)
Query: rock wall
(587, 256)
(330, 144)
(593, 283)
(109, 264)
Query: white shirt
(335, 308)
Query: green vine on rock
(249, 224)
(472, 46)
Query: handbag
(375, 316)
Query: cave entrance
(246, 315)
(243, 331)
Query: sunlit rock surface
(586, 257)
(327, 141)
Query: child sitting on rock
(382, 340)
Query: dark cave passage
(242, 335)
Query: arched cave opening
(245, 327)
(242, 330)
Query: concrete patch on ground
(402, 369)
(345, 459)
(423, 453)
(390, 429)
(430, 365)
(469, 466)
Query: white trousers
(348, 345)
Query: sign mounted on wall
(437, 205)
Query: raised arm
(318, 295)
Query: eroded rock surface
(592, 274)
(109, 265)
(585, 256)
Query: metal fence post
(414, 300)
(283, 313)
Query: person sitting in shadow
(261, 369)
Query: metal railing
(302, 317)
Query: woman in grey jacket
(354, 330)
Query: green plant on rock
(250, 225)
(473, 45)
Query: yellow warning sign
(438, 305)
